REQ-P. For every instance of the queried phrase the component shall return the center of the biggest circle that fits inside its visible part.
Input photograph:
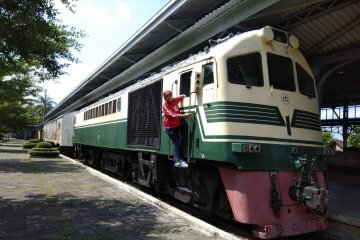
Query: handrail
(189, 125)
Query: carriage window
(185, 80)
(281, 73)
(110, 107)
(305, 81)
(208, 73)
(118, 104)
(245, 70)
(114, 106)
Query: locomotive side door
(185, 83)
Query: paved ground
(55, 199)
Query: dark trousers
(173, 134)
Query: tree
(34, 46)
(327, 138)
(15, 94)
(33, 40)
(354, 139)
(13, 118)
(44, 104)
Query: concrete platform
(55, 198)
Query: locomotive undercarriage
(199, 185)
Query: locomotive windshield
(245, 70)
(305, 81)
(281, 73)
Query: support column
(345, 125)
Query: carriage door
(185, 88)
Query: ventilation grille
(307, 120)
(144, 117)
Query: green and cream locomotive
(253, 143)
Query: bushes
(43, 149)
(53, 152)
(44, 145)
(31, 143)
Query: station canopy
(328, 32)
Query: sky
(108, 25)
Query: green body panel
(271, 156)
(110, 135)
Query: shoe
(181, 164)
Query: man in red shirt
(172, 123)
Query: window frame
(297, 66)
(245, 83)
(293, 89)
(213, 73)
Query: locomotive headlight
(251, 148)
(245, 148)
(266, 34)
(294, 42)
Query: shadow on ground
(36, 165)
(68, 217)
(18, 150)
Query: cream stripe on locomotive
(102, 123)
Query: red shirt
(171, 111)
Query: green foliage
(29, 145)
(44, 145)
(14, 93)
(33, 39)
(43, 104)
(12, 117)
(43, 149)
(42, 153)
(327, 138)
(354, 139)
(34, 47)
(17, 88)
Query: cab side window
(208, 71)
(185, 80)
(306, 82)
